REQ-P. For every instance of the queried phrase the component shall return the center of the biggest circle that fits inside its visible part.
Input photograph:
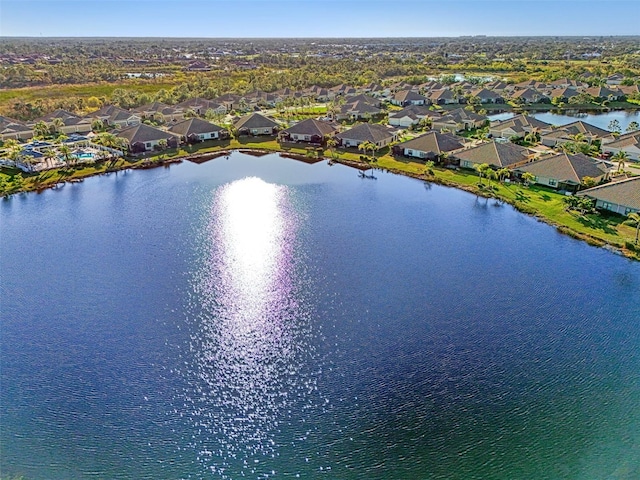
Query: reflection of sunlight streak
(249, 343)
(252, 241)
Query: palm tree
(13, 149)
(41, 129)
(621, 157)
(634, 219)
(65, 150)
(332, 143)
(503, 173)
(56, 126)
(482, 169)
(528, 178)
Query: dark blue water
(265, 318)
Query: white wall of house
(403, 122)
(300, 137)
(633, 152)
(614, 207)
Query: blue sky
(317, 18)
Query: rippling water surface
(265, 318)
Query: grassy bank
(545, 204)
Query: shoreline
(198, 158)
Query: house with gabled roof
(568, 133)
(411, 115)
(144, 138)
(200, 106)
(442, 97)
(408, 97)
(159, 112)
(487, 96)
(621, 197)
(603, 93)
(429, 146)
(518, 126)
(564, 171)
(310, 131)
(628, 143)
(497, 155)
(614, 79)
(458, 120)
(256, 124)
(194, 130)
(358, 110)
(562, 94)
(14, 129)
(528, 95)
(72, 123)
(380, 135)
(113, 116)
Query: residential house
(497, 155)
(159, 112)
(574, 130)
(529, 95)
(429, 146)
(71, 123)
(486, 96)
(411, 115)
(562, 94)
(458, 120)
(408, 97)
(518, 126)
(200, 106)
(628, 143)
(442, 97)
(256, 124)
(564, 171)
(614, 79)
(310, 130)
(603, 93)
(112, 116)
(14, 129)
(144, 138)
(229, 100)
(379, 135)
(360, 109)
(194, 130)
(621, 197)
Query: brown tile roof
(255, 120)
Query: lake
(600, 120)
(266, 318)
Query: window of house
(148, 144)
(552, 182)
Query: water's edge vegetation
(601, 230)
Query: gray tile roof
(496, 154)
(625, 192)
(194, 126)
(435, 142)
(144, 133)
(311, 126)
(255, 120)
(565, 168)
(371, 132)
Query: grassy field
(543, 203)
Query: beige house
(621, 197)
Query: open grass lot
(541, 202)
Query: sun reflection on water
(249, 342)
